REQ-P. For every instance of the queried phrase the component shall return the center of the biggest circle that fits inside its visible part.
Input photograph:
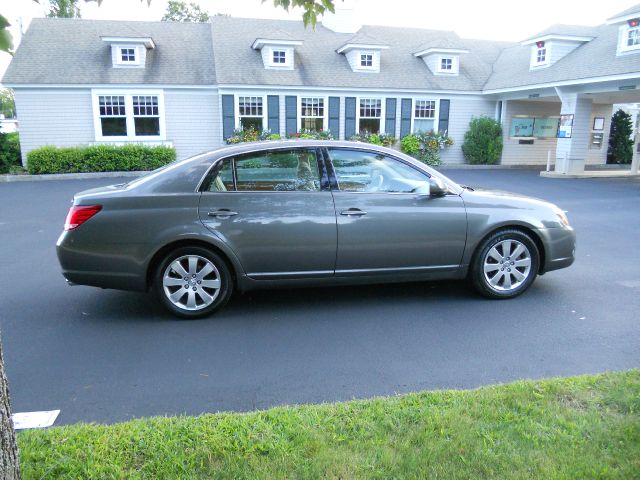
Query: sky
(510, 20)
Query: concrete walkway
(610, 173)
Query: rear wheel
(506, 264)
(193, 282)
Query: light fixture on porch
(540, 44)
(634, 22)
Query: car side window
(362, 171)
(278, 170)
(223, 181)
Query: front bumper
(559, 247)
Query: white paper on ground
(34, 419)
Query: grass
(576, 428)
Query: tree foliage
(620, 139)
(184, 12)
(7, 104)
(483, 141)
(64, 9)
(312, 9)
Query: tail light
(78, 214)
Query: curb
(465, 166)
(592, 174)
(68, 176)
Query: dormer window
(366, 60)
(363, 57)
(540, 54)
(441, 61)
(128, 52)
(633, 37)
(128, 55)
(279, 57)
(277, 53)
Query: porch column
(572, 152)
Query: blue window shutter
(349, 117)
(443, 117)
(228, 116)
(334, 116)
(390, 117)
(273, 110)
(405, 117)
(291, 107)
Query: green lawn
(576, 428)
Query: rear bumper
(560, 247)
(112, 266)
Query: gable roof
(70, 51)
(635, 10)
(565, 30)
(318, 64)
(596, 58)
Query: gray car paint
(142, 220)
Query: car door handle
(355, 212)
(222, 213)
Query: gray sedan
(295, 213)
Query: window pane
(289, 170)
(248, 122)
(315, 124)
(370, 108)
(634, 37)
(370, 125)
(147, 126)
(224, 179)
(111, 105)
(114, 127)
(425, 109)
(422, 125)
(279, 56)
(358, 171)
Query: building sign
(522, 127)
(545, 127)
(566, 126)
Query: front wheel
(193, 282)
(506, 264)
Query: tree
(7, 104)
(620, 140)
(9, 464)
(182, 12)
(64, 9)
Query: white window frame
(436, 111)
(130, 120)
(383, 102)
(455, 65)
(264, 117)
(138, 51)
(535, 50)
(623, 39)
(443, 65)
(288, 57)
(369, 57)
(282, 57)
(325, 109)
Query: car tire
(505, 265)
(193, 282)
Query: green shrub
(306, 134)
(620, 139)
(98, 158)
(426, 146)
(9, 152)
(483, 141)
(383, 139)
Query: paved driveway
(108, 356)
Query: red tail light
(78, 214)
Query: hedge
(98, 158)
(9, 152)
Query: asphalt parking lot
(107, 356)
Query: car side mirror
(437, 188)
